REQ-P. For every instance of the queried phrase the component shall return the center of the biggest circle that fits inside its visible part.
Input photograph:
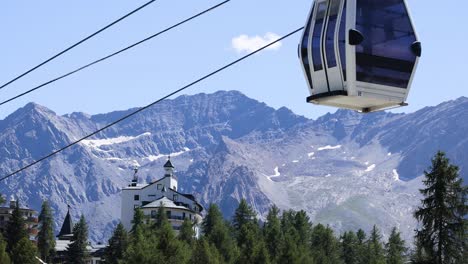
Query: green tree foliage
(142, 246)
(395, 250)
(205, 253)
(16, 229)
(303, 227)
(212, 218)
(186, 233)
(251, 245)
(138, 219)
(161, 216)
(171, 249)
(45, 238)
(76, 250)
(324, 245)
(419, 254)
(4, 257)
(24, 252)
(118, 244)
(375, 251)
(217, 232)
(292, 250)
(273, 235)
(442, 215)
(243, 215)
(361, 248)
(349, 248)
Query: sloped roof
(67, 226)
(166, 202)
(168, 164)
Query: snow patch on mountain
(370, 168)
(328, 147)
(277, 174)
(96, 143)
(175, 154)
(396, 176)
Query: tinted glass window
(304, 48)
(317, 37)
(342, 41)
(331, 29)
(385, 56)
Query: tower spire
(66, 232)
(135, 176)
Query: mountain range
(345, 169)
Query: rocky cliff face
(345, 169)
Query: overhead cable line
(77, 44)
(151, 104)
(113, 54)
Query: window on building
(136, 197)
(183, 215)
(169, 214)
(154, 213)
(190, 216)
(176, 197)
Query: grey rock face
(345, 169)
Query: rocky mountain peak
(227, 146)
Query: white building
(149, 197)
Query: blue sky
(34, 30)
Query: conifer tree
(375, 251)
(138, 219)
(419, 254)
(395, 250)
(324, 245)
(15, 229)
(205, 253)
(244, 214)
(292, 251)
(76, 250)
(142, 247)
(118, 244)
(4, 257)
(349, 248)
(251, 245)
(212, 218)
(170, 248)
(161, 216)
(45, 238)
(443, 233)
(24, 252)
(186, 233)
(272, 232)
(217, 232)
(361, 250)
(303, 227)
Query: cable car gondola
(359, 54)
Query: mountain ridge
(226, 146)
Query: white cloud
(245, 43)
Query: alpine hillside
(344, 169)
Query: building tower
(66, 232)
(170, 180)
(148, 197)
